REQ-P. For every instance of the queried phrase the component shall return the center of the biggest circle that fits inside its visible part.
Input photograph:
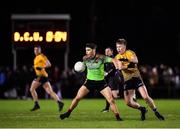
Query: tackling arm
(117, 64)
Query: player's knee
(50, 92)
(32, 90)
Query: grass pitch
(16, 114)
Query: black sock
(117, 116)
(36, 103)
(69, 111)
(155, 110)
(59, 102)
(107, 105)
(140, 108)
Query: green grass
(16, 113)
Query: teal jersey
(95, 66)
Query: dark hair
(109, 48)
(121, 41)
(38, 46)
(91, 45)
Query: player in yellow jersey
(41, 62)
(112, 80)
(133, 80)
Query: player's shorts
(95, 85)
(41, 79)
(112, 83)
(133, 83)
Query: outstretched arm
(117, 64)
(133, 60)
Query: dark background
(152, 28)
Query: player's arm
(132, 62)
(117, 63)
(48, 64)
(133, 59)
(118, 73)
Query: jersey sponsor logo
(94, 65)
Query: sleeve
(44, 59)
(130, 54)
(117, 57)
(107, 59)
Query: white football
(79, 66)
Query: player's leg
(49, 90)
(114, 86)
(106, 92)
(106, 109)
(128, 97)
(143, 91)
(82, 92)
(115, 96)
(134, 97)
(34, 85)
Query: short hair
(91, 45)
(121, 41)
(38, 46)
(109, 48)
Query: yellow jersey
(131, 70)
(40, 61)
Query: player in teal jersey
(95, 79)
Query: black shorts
(133, 83)
(92, 85)
(41, 79)
(112, 83)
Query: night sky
(152, 28)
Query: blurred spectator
(15, 84)
(154, 77)
(56, 82)
(176, 79)
(2, 82)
